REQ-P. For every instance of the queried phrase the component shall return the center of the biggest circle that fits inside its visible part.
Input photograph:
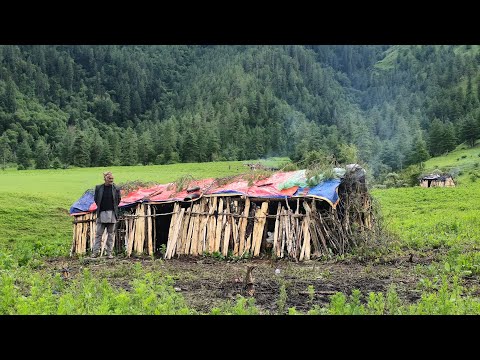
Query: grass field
(439, 227)
(462, 162)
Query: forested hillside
(84, 105)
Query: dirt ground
(206, 282)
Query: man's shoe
(109, 256)
(94, 256)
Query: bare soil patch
(207, 282)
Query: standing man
(107, 197)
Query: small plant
(282, 298)
(242, 306)
(258, 175)
(6, 261)
(290, 167)
(163, 249)
(130, 186)
(292, 311)
(182, 182)
(311, 293)
(376, 303)
(218, 255)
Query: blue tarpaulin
(83, 204)
(327, 190)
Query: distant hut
(437, 180)
(277, 216)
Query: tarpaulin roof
(278, 186)
(436, 177)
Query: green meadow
(35, 227)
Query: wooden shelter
(230, 225)
(437, 180)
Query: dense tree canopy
(83, 105)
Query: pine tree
(9, 100)
(213, 143)
(419, 152)
(190, 147)
(5, 151)
(470, 131)
(449, 138)
(42, 153)
(81, 153)
(129, 150)
(146, 151)
(96, 149)
(24, 154)
(66, 147)
(436, 137)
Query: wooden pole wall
(234, 226)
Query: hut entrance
(162, 225)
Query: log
(261, 216)
(212, 221)
(80, 238)
(141, 240)
(298, 230)
(200, 225)
(218, 230)
(195, 231)
(138, 229)
(127, 228)
(154, 229)
(243, 227)
(188, 240)
(84, 235)
(234, 227)
(287, 231)
(203, 227)
(171, 228)
(80, 249)
(224, 224)
(73, 240)
(228, 230)
(149, 230)
(305, 236)
(75, 237)
(91, 226)
(261, 227)
(173, 241)
(276, 245)
(186, 222)
(306, 239)
(131, 237)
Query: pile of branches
(350, 225)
